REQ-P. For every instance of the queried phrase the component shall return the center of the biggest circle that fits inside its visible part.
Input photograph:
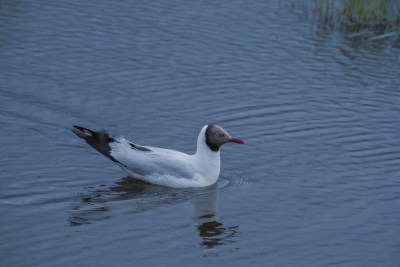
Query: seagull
(164, 166)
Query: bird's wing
(152, 160)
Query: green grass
(360, 12)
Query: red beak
(235, 140)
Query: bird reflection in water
(212, 232)
(98, 206)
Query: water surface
(316, 184)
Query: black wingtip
(84, 130)
(98, 140)
(78, 133)
(79, 128)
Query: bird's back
(155, 161)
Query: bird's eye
(219, 134)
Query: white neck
(207, 162)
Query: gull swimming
(164, 166)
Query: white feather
(168, 167)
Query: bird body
(164, 166)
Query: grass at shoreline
(362, 13)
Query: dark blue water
(317, 183)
